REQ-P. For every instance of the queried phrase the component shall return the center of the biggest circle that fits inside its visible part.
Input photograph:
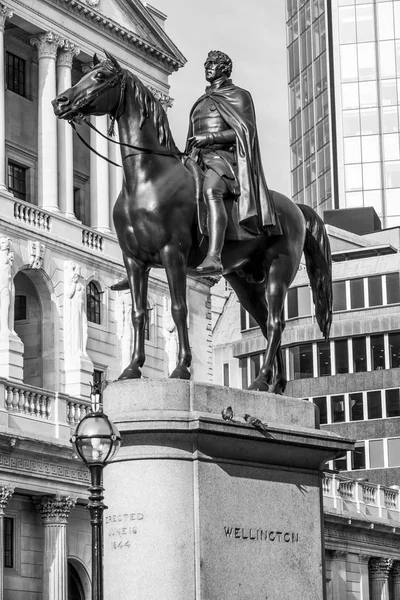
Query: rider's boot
(217, 223)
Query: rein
(119, 111)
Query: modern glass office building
(344, 85)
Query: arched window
(93, 303)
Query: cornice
(115, 30)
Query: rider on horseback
(223, 140)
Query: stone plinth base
(206, 509)
(11, 357)
(78, 375)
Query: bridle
(120, 78)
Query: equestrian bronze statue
(161, 218)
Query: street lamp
(96, 440)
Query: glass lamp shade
(96, 439)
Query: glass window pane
(393, 452)
(353, 177)
(354, 199)
(350, 95)
(392, 205)
(365, 23)
(392, 174)
(392, 288)
(320, 402)
(366, 60)
(390, 122)
(370, 148)
(293, 307)
(352, 150)
(226, 374)
(387, 61)
(374, 199)
(368, 93)
(359, 355)
(376, 454)
(347, 24)
(337, 403)
(392, 403)
(348, 62)
(341, 356)
(389, 92)
(254, 366)
(358, 456)
(385, 21)
(356, 406)
(394, 350)
(301, 361)
(374, 405)
(372, 176)
(351, 123)
(244, 372)
(369, 121)
(242, 318)
(324, 358)
(304, 300)
(375, 290)
(339, 295)
(377, 352)
(357, 293)
(391, 146)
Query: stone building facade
(354, 379)
(60, 324)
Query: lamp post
(96, 440)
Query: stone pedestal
(201, 508)
(11, 357)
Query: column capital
(339, 554)
(54, 509)
(6, 491)
(5, 13)
(47, 44)
(396, 570)
(379, 567)
(67, 53)
(364, 558)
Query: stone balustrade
(31, 215)
(92, 239)
(28, 400)
(76, 410)
(348, 496)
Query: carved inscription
(261, 535)
(122, 528)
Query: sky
(253, 34)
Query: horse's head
(97, 93)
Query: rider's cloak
(256, 210)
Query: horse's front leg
(138, 276)
(174, 263)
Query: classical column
(363, 560)
(338, 570)
(55, 511)
(6, 491)
(396, 580)
(64, 130)
(99, 178)
(379, 576)
(47, 45)
(5, 13)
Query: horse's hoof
(120, 286)
(130, 373)
(259, 385)
(180, 373)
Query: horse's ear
(96, 60)
(113, 60)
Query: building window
(392, 288)
(243, 370)
(358, 456)
(375, 291)
(392, 403)
(374, 405)
(359, 355)
(16, 80)
(341, 356)
(301, 361)
(377, 353)
(93, 303)
(250, 368)
(339, 295)
(246, 320)
(357, 293)
(393, 446)
(17, 180)
(394, 350)
(321, 403)
(340, 464)
(226, 374)
(337, 403)
(356, 406)
(20, 308)
(8, 542)
(376, 459)
(299, 302)
(324, 358)
(78, 208)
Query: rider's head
(218, 64)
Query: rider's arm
(221, 137)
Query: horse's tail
(317, 252)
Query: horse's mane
(151, 107)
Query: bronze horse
(155, 219)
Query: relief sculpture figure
(75, 319)
(254, 236)
(7, 288)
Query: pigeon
(256, 423)
(227, 413)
